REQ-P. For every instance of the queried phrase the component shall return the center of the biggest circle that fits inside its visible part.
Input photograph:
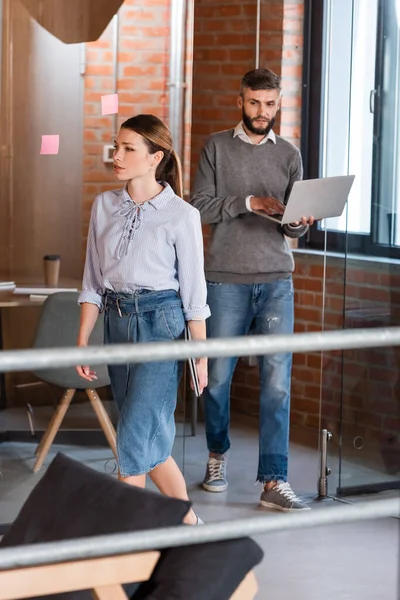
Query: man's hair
(260, 79)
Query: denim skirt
(145, 394)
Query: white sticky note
(50, 144)
(109, 104)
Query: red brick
(127, 84)
(139, 13)
(93, 69)
(311, 285)
(124, 57)
(90, 136)
(144, 32)
(91, 109)
(98, 122)
(292, 71)
(108, 85)
(212, 54)
(291, 131)
(90, 189)
(101, 43)
(99, 176)
(156, 84)
(308, 314)
(243, 55)
(293, 10)
(140, 71)
(312, 421)
(96, 149)
(142, 43)
(92, 96)
(297, 418)
(91, 82)
(294, 40)
(299, 359)
(335, 303)
(314, 360)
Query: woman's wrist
(201, 360)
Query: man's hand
(304, 221)
(269, 205)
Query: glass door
(360, 398)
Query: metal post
(115, 66)
(177, 75)
(324, 471)
(258, 34)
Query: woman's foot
(191, 518)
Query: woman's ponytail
(172, 173)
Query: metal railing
(254, 345)
(168, 537)
(111, 545)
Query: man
(249, 273)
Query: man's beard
(248, 122)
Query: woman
(144, 267)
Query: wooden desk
(10, 300)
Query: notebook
(192, 366)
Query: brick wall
(291, 69)
(360, 385)
(187, 117)
(225, 48)
(143, 60)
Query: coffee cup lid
(51, 257)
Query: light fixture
(75, 21)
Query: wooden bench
(104, 576)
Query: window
(351, 118)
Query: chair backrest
(59, 327)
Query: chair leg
(109, 592)
(52, 429)
(46, 433)
(104, 419)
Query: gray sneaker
(282, 497)
(215, 478)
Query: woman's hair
(158, 137)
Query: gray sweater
(244, 247)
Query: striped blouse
(156, 246)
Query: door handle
(372, 95)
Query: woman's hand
(202, 373)
(84, 371)
(89, 314)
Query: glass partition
(360, 135)
(53, 86)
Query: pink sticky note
(50, 144)
(109, 104)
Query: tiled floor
(357, 561)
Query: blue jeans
(145, 393)
(236, 309)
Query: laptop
(320, 198)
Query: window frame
(312, 91)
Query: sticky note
(50, 144)
(109, 104)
